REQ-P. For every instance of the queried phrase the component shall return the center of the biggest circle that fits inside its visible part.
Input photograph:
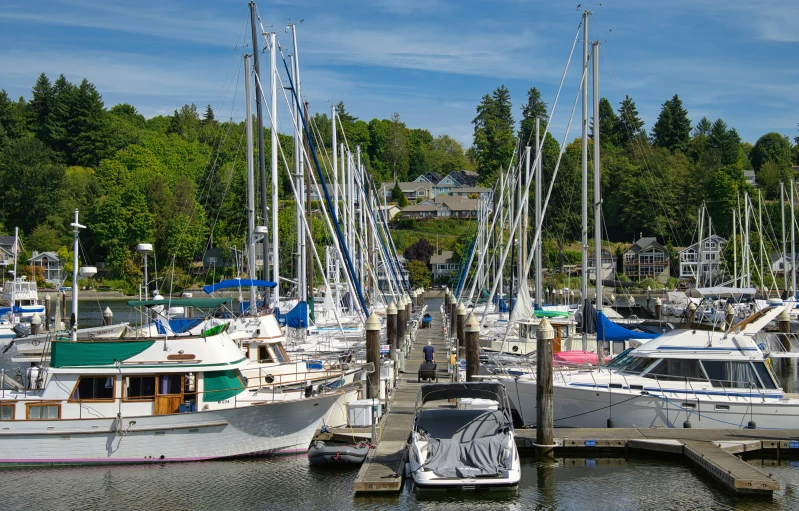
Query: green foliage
(628, 124)
(419, 274)
(494, 138)
(43, 239)
(672, 130)
(534, 109)
(771, 147)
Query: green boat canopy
(551, 314)
(221, 385)
(202, 303)
(84, 353)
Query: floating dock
(711, 450)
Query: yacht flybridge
(709, 379)
(134, 401)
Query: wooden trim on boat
(133, 429)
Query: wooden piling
(472, 333)
(36, 324)
(48, 311)
(658, 308)
(461, 326)
(373, 356)
(691, 312)
(784, 323)
(391, 331)
(453, 314)
(545, 436)
(108, 317)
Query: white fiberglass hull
(269, 428)
(590, 407)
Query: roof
(470, 189)
(430, 176)
(642, 244)
(716, 238)
(457, 203)
(421, 207)
(441, 258)
(408, 186)
(49, 255)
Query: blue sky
(429, 60)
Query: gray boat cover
(465, 443)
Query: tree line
(653, 183)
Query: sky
(429, 60)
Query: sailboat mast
(793, 247)
(746, 241)
(597, 190)
(335, 160)
(539, 288)
(784, 247)
(274, 142)
(760, 233)
(74, 320)
(735, 252)
(250, 183)
(584, 239)
(14, 279)
(261, 155)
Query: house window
(94, 388)
(44, 412)
(659, 269)
(140, 387)
(6, 412)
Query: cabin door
(556, 342)
(169, 395)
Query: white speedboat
(468, 447)
(151, 400)
(711, 379)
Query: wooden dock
(711, 450)
(384, 467)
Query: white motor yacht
(710, 379)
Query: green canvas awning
(91, 353)
(221, 385)
(202, 303)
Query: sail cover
(237, 284)
(523, 305)
(297, 317)
(607, 330)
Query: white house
(444, 265)
(608, 265)
(413, 190)
(49, 261)
(711, 260)
(384, 277)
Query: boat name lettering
(187, 356)
(590, 443)
(793, 445)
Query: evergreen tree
(13, 121)
(418, 141)
(397, 148)
(209, 115)
(725, 142)
(493, 134)
(673, 128)
(703, 127)
(87, 127)
(55, 126)
(343, 114)
(534, 109)
(41, 104)
(607, 124)
(628, 124)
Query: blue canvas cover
(178, 325)
(298, 316)
(607, 330)
(237, 284)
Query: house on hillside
(455, 179)
(442, 207)
(390, 211)
(385, 279)
(428, 177)
(608, 265)
(711, 260)
(477, 192)
(50, 263)
(412, 191)
(444, 266)
(421, 211)
(7, 252)
(749, 175)
(646, 258)
(778, 264)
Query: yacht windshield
(636, 365)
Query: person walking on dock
(429, 352)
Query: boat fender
(309, 391)
(269, 379)
(686, 424)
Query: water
(291, 483)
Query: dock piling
(36, 324)
(373, 356)
(658, 308)
(108, 317)
(391, 336)
(48, 311)
(545, 436)
(472, 333)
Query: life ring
(35, 342)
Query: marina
(282, 305)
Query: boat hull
(591, 407)
(284, 427)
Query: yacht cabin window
(676, 369)
(737, 375)
(264, 356)
(44, 412)
(170, 384)
(140, 387)
(6, 412)
(94, 388)
(635, 365)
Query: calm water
(290, 483)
